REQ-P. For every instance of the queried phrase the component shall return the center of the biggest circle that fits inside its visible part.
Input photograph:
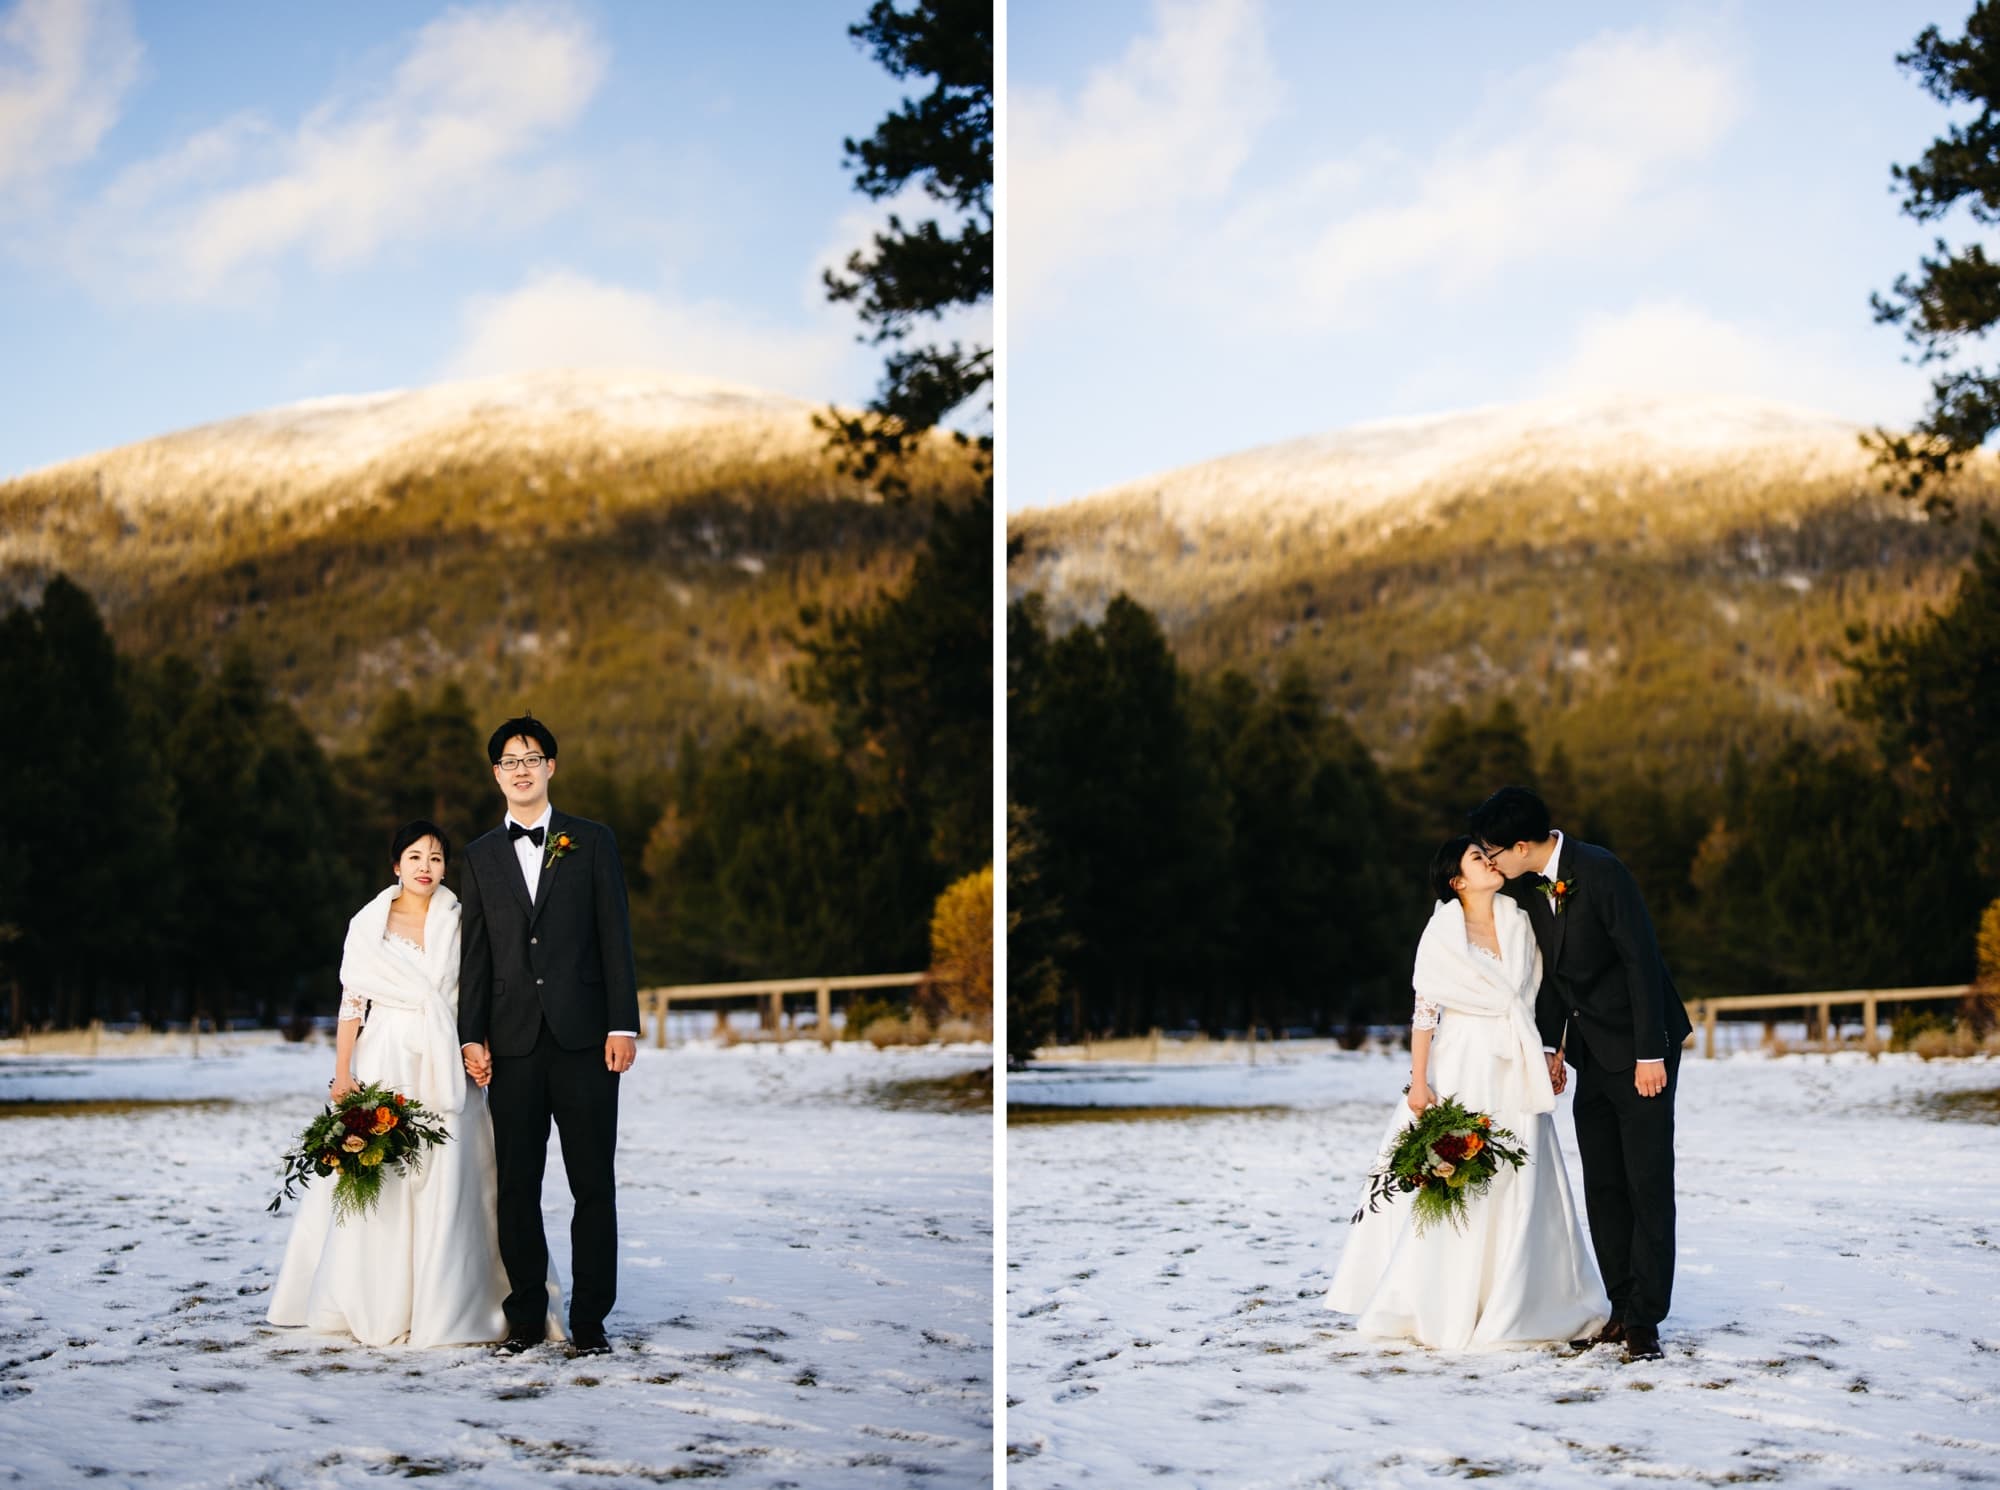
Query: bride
(423, 1267)
(1520, 1270)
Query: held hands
(478, 1063)
(619, 1053)
(1558, 1072)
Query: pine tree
(1131, 816)
(942, 143)
(1932, 692)
(1955, 296)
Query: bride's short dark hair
(1511, 815)
(1445, 866)
(413, 832)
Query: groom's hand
(1649, 1078)
(478, 1063)
(619, 1052)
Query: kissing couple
(1539, 957)
(503, 1008)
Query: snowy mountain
(1677, 463)
(1686, 568)
(628, 546)
(173, 501)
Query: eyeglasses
(515, 762)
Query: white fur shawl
(371, 969)
(1453, 976)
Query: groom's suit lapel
(508, 867)
(1556, 934)
(557, 824)
(1566, 866)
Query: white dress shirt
(1555, 854)
(528, 852)
(531, 859)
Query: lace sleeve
(1426, 1016)
(352, 1005)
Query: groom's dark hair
(1445, 866)
(1511, 815)
(527, 727)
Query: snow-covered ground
(805, 1297)
(1836, 1316)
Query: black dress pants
(1626, 1142)
(573, 1088)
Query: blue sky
(1231, 222)
(213, 208)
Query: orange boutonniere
(1559, 892)
(559, 845)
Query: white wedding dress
(423, 1267)
(1521, 1271)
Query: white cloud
(1167, 125)
(1562, 163)
(1145, 163)
(1665, 348)
(445, 144)
(561, 319)
(65, 66)
(1670, 348)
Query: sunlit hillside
(626, 552)
(1648, 580)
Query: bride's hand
(342, 1086)
(1420, 1097)
(478, 1063)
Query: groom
(548, 1015)
(1607, 1001)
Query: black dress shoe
(515, 1344)
(589, 1340)
(1613, 1333)
(1642, 1343)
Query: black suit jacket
(1605, 986)
(566, 958)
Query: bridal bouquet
(1444, 1157)
(356, 1139)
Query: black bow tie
(1536, 881)
(515, 830)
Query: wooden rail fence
(773, 991)
(1820, 1007)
